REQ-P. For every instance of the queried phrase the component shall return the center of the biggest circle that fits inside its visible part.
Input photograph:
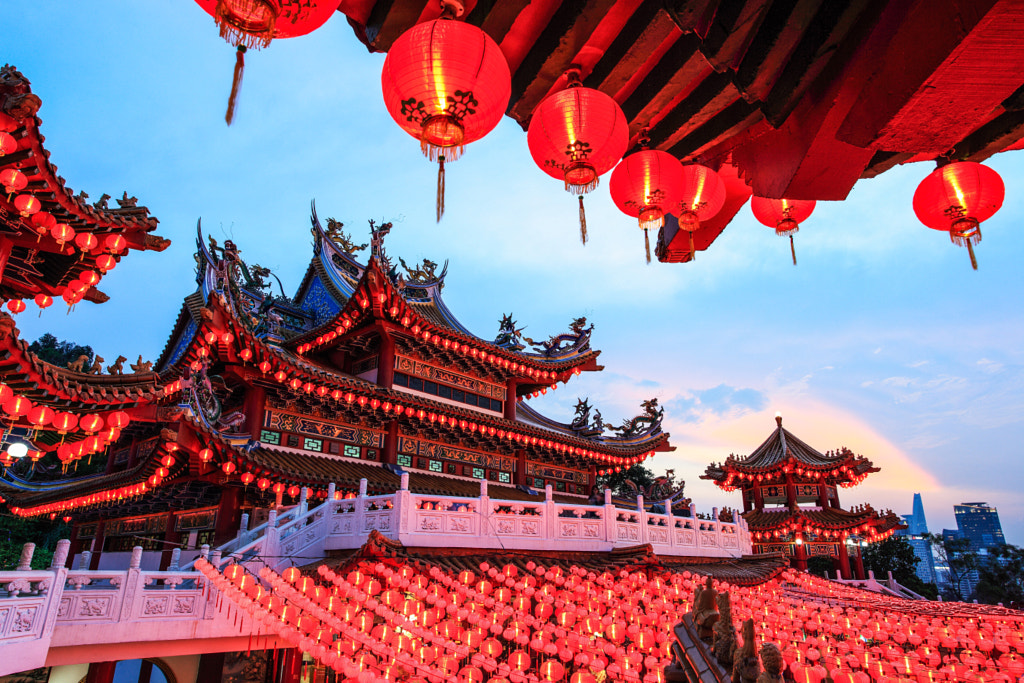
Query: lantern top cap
(452, 8)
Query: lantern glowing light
(647, 185)
(783, 215)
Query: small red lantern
(248, 478)
(63, 233)
(90, 423)
(86, 241)
(784, 215)
(7, 144)
(647, 184)
(16, 406)
(105, 262)
(89, 277)
(447, 84)
(205, 455)
(278, 488)
(13, 180)
(263, 484)
(16, 306)
(703, 194)
(577, 135)
(228, 468)
(27, 205)
(64, 422)
(114, 243)
(40, 416)
(957, 198)
(293, 491)
(43, 222)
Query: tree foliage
(17, 531)
(896, 555)
(956, 555)
(616, 481)
(1001, 576)
(59, 353)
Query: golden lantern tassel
(970, 250)
(792, 249)
(693, 252)
(647, 246)
(583, 223)
(440, 187)
(236, 83)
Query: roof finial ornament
(778, 418)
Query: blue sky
(883, 339)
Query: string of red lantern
(783, 215)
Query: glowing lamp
(86, 241)
(13, 180)
(647, 184)
(956, 198)
(27, 205)
(16, 306)
(783, 215)
(7, 144)
(105, 262)
(447, 84)
(228, 468)
(114, 243)
(62, 233)
(205, 455)
(263, 484)
(248, 478)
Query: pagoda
(791, 501)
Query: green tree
(17, 531)
(1001, 576)
(820, 566)
(59, 353)
(960, 561)
(895, 555)
(616, 481)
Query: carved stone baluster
(60, 555)
(84, 559)
(25, 563)
(175, 560)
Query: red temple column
(758, 497)
(835, 497)
(520, 467)
(790, 492)
(386, 361)
(844, 560)
(101, 672)
(823, 496)
(859, 561)
(291, 669)
(211, 668)
(748, 500)
(800, 553)
(97, 544)
(170, 542)
(228, 514)
(255, 400)
(390, 455)
(510, 398)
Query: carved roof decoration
(833, 519)
(782, 453)
(38, 264)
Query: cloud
(990, 366)
(722, 401)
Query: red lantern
(27, 204)
(228, 468)
(86, 241)
(247, 478)
(114, 243)
(64, 422)
(105, 262)
(7, 144)
(957, 198)
(647, 184)
(16, 406)
(703, 195)
(63, 233)
(13, 180)
(447, 84)
(16, 306)
(43, 222)
(784, 215)
(205, 455)
(90, 423)
(263, 484)
(40, 416)
(576, 136)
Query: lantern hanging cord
(440, 187)
(236, 83)
(583, 223)
(792, 249)
(647, 246)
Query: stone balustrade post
(641, 519)
(243, 526)
(132, 588)
(331, 489)
(84, 559)
(271, 542)
(136, 561)
(175, 560)
(25, 562)
(403, 507)
(670, 522)
(483, 511)
(550, 523)
(609, 517)
(360, 523)
(60, 555)
(215, 558)
(204, 551)
(303, 500)
(717, 527)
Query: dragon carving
(662, 488)
(342, 240)
(423, 273)
(16, 97)
(578, 338)
(647, 422)
(509, 337)
(581, 421)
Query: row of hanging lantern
(447, 83)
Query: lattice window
(352, 451)
(313, 445)
(267, 436)
(435, 466)
(405, 461)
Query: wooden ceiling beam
(552, 53)
(390, 19)
(648, 27)
(495, 17)
(680, 69)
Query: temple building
(791, 501)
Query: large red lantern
(7, 143)
(702, 197)
(956, 198)
(647, 185)
(254, 23)
(784, 215)
(577, 135)
(13, 180)
(447, 84)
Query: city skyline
(882, 339)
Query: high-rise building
(979, 523)
(917, 527)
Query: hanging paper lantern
(576, 135)
(86, 241)
(16, 306)
(703, 194)
(647, 184)
(447, 84)
(13, 180)
(784, 215)
(228, 468)
(16, 406)
(7, 144)
(254, 23)
(114, 243)
(248, 478)
(40, 416)
(957, 198)
(27, 204)
(90, 423)
(62, 232)
(43, 300)
(105, 262)
(118, 419)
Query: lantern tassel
(236, 83)
(583, 223)
(970, 250)
(792, 249)
(693, 252)
(647, 245)
(440, 187)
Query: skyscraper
(979, 523)
(917, 526)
